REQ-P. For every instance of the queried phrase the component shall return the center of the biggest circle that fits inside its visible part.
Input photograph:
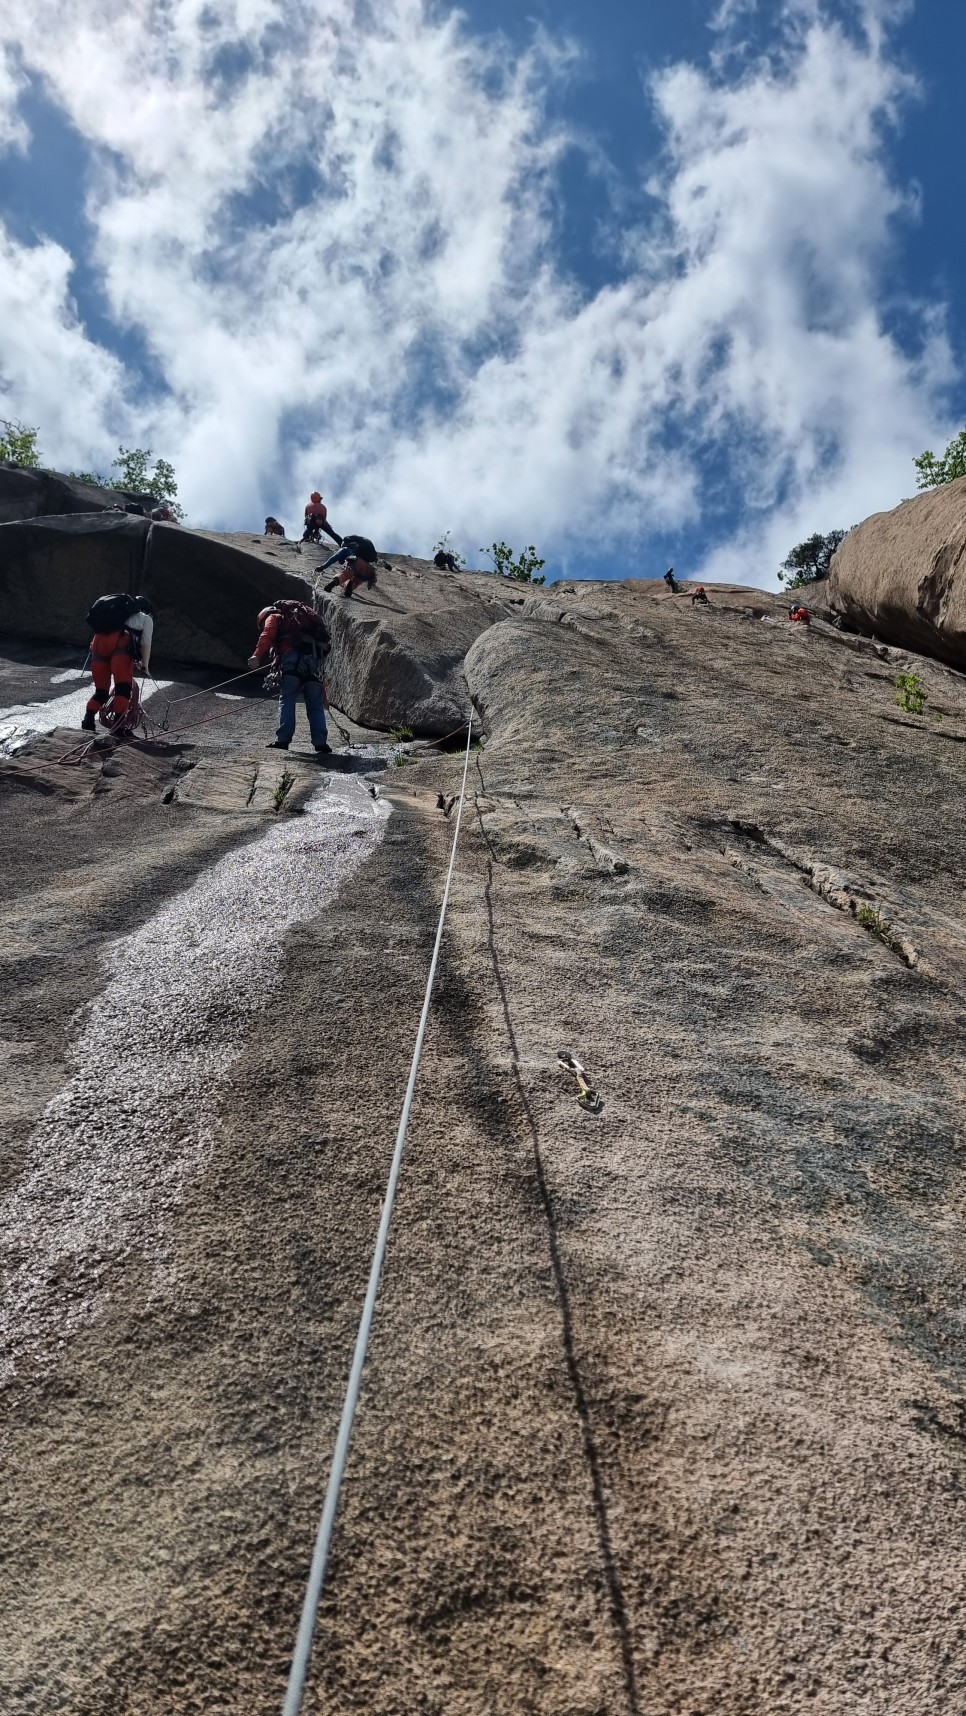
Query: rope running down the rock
(310, 1608)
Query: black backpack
(361, 547)
(109, 613)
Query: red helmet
(315, 495)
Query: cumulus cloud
(335, 232)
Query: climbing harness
(303, 1643)
(586, 1095)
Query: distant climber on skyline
(700, 595)
(445, 561)
(672, 582)
(273, 528)
(316, 520)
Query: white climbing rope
(313, 1594)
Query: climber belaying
(296, 641)
(672, 582)
(123, 628)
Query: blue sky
(639, 284)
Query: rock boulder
(901, 575)
(398, 651)
(207, 593)
(39, 494)
(52, 569)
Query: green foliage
(523, 570)
(286, 781)
(133, 462)
(18, 443)
(910, 693)
(443, 546)
(810, 560)
(933, 471)
(400, 733)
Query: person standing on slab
(295, 640)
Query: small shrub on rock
(910, 693)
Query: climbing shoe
(330, 586)
(88, 723)
(323, 750)
(276, 745)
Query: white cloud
(336, 237)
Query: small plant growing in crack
(399, 762)
(399, 734)
(286, 781)
(910, 693)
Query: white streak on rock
(109, 1160)
(21, 721)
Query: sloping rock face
(52, 569)
(663, 1409)
(398, 650)
(207, 592)
(901, 575)
(36, 494)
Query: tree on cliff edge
(19, 444)
(810, 561)
(933, 471)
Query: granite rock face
(901, 575)
(207, 591)
(398, 650)
(37, 494)
(663, 1408)
(52, 569)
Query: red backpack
(295, 622)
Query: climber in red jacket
(297, 642)
(316, 515)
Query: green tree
(136, 478)
(524, 569)
(810, 560)
(933, 471)
(18, 443)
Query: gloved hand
(253, 661)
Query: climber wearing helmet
(316, 514)
(297, 642)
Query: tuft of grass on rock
(910, 693)
(399, 734)
(286, 781)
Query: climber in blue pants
(297, 642)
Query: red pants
(112, 657)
